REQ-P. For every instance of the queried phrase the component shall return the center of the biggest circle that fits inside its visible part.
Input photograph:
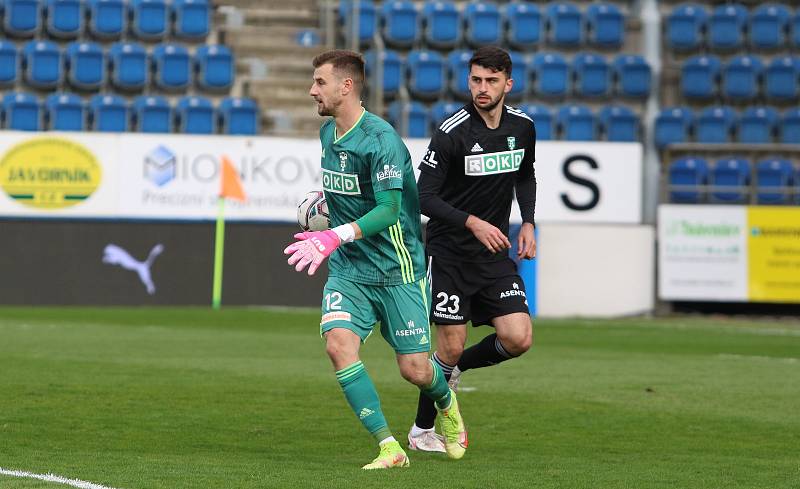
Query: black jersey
(475, 169)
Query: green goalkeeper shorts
(402, 311)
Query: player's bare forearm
(526, 242)
(492, 238)
(357, 230)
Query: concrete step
(292, 122)
(267, 42)
(294, 17)
(260, 4)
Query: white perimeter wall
(595, 270)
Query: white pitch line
(54, 478)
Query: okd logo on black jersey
(340, 183)
(493, 163)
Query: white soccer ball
(312, 213)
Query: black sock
(484, 354)
(426, 410)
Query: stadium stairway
(274, 68)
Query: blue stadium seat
(64, 18)
(21, 17)
(147, 19)
(758, 125)
(42, 64)
(797, 187)
(523, 24)
(128, 65)
(605, 25)
(85, 65)
(781, 78)
(619, 123)
(417, 119)
(152, 114)
(543, 120)
(592, 75)
(65, 112)
(9, 63)
(730, 181)
(214, 67)
(367, 19)
(22, 112)
(239, 116)
(191, 18)
(107, 18)
(633, 76)
(194, 115)
(108, 113)
(482, 24)
(170, 66)
(774, 181)
(727, 27)
(577, 123)
(399, 23)
(790, 126)
(741, 78)
(699, 77)
(392, 71)
(551, 75)
(458, 69)
(685, 27)
(795, 31)
(442, 24)
(673, 125)
(519, 72)
(425, 74)
(715, 125)
(687, 180)
(441, 111)
(769, 24)
(564, 24)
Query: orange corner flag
(231, 184)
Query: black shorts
(477, 292)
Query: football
(312, 212)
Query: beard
(487, 106)
(324, 110)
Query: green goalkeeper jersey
(370, 158)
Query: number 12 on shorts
(333, 301)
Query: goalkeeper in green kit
(376, 257)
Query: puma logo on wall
(115, 255)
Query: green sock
(438, 391)
(363, 399)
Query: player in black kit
(477, 159)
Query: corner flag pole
(231, 187)
(219, 250)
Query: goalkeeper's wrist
(345, 232)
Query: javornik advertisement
(177, 177)
(729, 253)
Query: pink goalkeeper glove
(311, 249)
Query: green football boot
(453, 429)
(391, 456)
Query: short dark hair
(347, 63)
(493, 58)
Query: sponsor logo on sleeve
(388, 172)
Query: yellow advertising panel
(774, 247)
(49, 173)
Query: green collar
(339, 139)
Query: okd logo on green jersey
(493, 163)
(340, 183)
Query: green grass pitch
(246, 398)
